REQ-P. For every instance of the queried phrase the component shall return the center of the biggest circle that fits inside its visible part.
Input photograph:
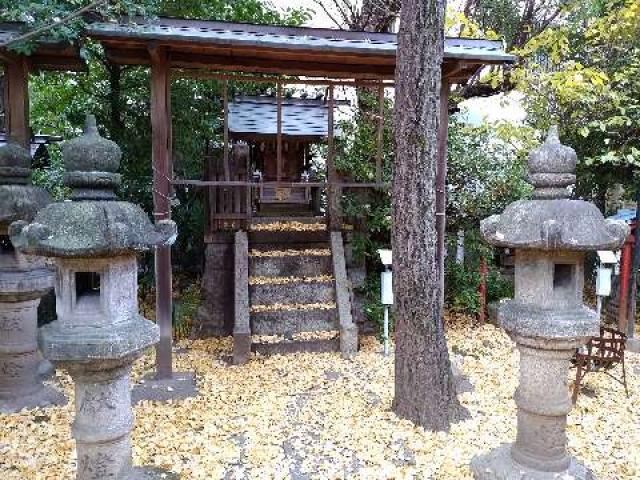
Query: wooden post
(380, 139)
(625, 277)
(279, 134)
(161, 161)
(333, 192)
(16, 101)
(631, 314)
(441, 182)
(225, 133)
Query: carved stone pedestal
(21, 384)
(23, 281)
(103, 422)
(542, 397)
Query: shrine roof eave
(48, 55)
(271, 49)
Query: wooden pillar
(380, 137)
(225, 132)
(333, 192)
(626, 262)
(16, 100)
(161, 161)
(279, 132)
(441, 182)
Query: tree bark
(424, 385)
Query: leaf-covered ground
(318, 416)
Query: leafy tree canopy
(585, 76)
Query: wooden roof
(256, 116)
(49, 54)
(285, 50)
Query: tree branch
(46, 28)
(338, 24)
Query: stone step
(283, 322)
(287, 293)
(285, 347)
(298, 247)
(288, 237)
(288, 218)
(290, 266)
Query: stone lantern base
(21, 383)
(46, 396)
(179, 386)
(499, 465)
(151, 473)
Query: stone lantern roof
(551, 221)
(93, 223)
(19, 200)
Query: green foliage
(37, 14)
(461, 292)
(372, 307)
(356, 151)
(486, 170)
(498, 286)
(184, 310)
(50, 176)
(585, 76)
(462, 280)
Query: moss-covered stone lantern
(546, 318)
(24, 279)
(93, 240)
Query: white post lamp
(386, 293)
(608, 260)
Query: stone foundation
(499, 465)
(216, 314)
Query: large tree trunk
(424, 386)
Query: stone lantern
(546, 318)
(93, 240)
(23, 281)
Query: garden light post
(99, 333)
(608, 261)
(23, 281)
(546, 318)
(386, 293)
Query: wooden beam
(257, 65)
(16, 101)
(240, 183)
(441, 182)
(161, 162)
(204, 74)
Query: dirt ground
(310, 416)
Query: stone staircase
(294, 295)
